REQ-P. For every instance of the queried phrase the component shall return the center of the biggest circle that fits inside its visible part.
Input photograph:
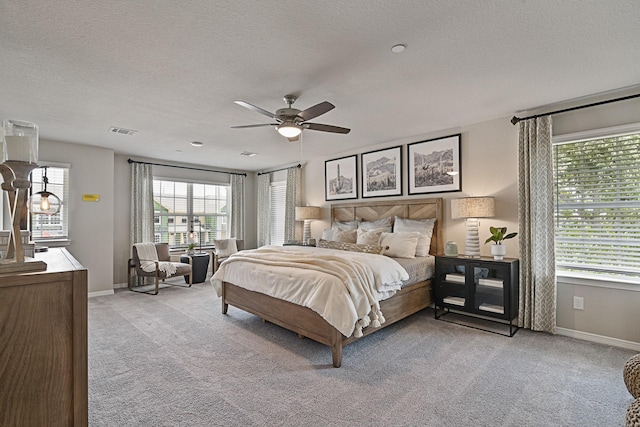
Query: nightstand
(199, 266)
(481, 287)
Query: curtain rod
(515, 119)
(278, 170)
(185, 167)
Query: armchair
(224, 248)
(160, 266)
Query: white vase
(498, 251)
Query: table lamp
(472, 208)
(307, 214)
(19, 158)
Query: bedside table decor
(451, 248)
(479, 287)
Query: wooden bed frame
(306, 322)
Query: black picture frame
(382, 172)
(341, 178)
(434, 165)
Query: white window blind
(597, 190)
(50, 228)
(277, 200)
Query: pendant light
(44, 202)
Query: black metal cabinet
(478, 286)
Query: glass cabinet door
(453, 284)
(490, 284)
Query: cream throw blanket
(149, 257)
(343, 287)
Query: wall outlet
(578, 303)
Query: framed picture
(382, 172)
(434, 165)
(340, 178)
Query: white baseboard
(100, 293)
(601, 339)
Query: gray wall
(91, 225)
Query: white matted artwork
(434, 165)
(340, 178)
(382, 172)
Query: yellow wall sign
(90, 197)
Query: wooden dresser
(43, 344)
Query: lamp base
(472, 245)
(306, 235)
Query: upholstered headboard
(413, 209)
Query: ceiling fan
(290, 121)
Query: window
(597, 191)
(277, 201)
(183, 207)
(51, 228)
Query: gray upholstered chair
(217, 259)
(162, 249)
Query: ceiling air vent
(248, 154)
(122, 131)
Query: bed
(307, 322)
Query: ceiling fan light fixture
(289, 130)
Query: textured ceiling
(171, 70)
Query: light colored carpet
(175, 360)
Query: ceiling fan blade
(254, 108)
(325, 128)
(255, 126)
(316, 110)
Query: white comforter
(343, 287)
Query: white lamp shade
(473, 207)
(19, 141)
(307, 212)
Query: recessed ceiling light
(398, 48)
(248, 154)
(197, 143)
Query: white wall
(90, 223)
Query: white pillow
(384, 223)
(347, 236)
(327, 234)
(225, 247)
(369, 237)
(401, 245)
(347, 225)
(424, 226)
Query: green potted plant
(498, 235)
(191, 249)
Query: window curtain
(237, 206)
(537, 304)
(264, 209)
(141, 204)
(293, 198)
